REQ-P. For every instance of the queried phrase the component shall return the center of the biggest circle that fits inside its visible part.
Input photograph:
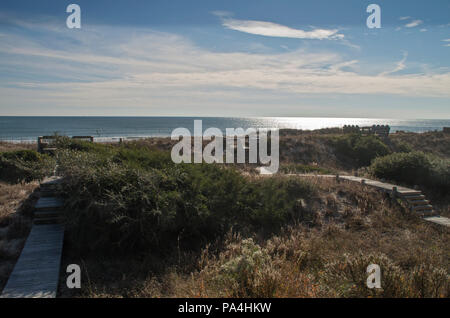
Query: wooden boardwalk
(36, 272)
(387, 187)
(414, 198)
(438, 220)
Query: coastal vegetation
(142, 226)
(358, 149)
(340, 230)
(414, 168)
(24, 166)
(142, 201)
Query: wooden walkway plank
(36, 273)
(381, 185)
(49, 203)
(438, 220)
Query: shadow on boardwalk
(36, 273)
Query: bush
(361, 149)
(348, 277)
(414, 168)
(25, 166)
(67, 143)
(277, 202)
(247, 271)
(140, 157)
(141, 200)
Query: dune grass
(324, 254)
(141, 226)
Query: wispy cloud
(277, 30)
(411, 24)
(414, 23)
(446, 40)
(118, 71)
(400, 65)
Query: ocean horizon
(28, 128)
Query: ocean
(27, 129)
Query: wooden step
(418, 202)
(49, 203)
(49, 187)
(422, 207)
(424, 213)
(48, 220)
(47, 193)
(405, 194)
(414, 197)
(47, 213)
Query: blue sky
(226, 58)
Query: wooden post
(39, 145)
(394, 193)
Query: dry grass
(10, 146)
(350, 226)
(16, 205)
(437, 143)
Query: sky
(251, 58)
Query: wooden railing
(377, 130)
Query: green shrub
(140, 157)
(401, 146)
(360, 149)
(67, 143)
(414, 168)
(277, 201)
(24, 166)
(23, 155)
(142, 201)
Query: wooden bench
(45, 144)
